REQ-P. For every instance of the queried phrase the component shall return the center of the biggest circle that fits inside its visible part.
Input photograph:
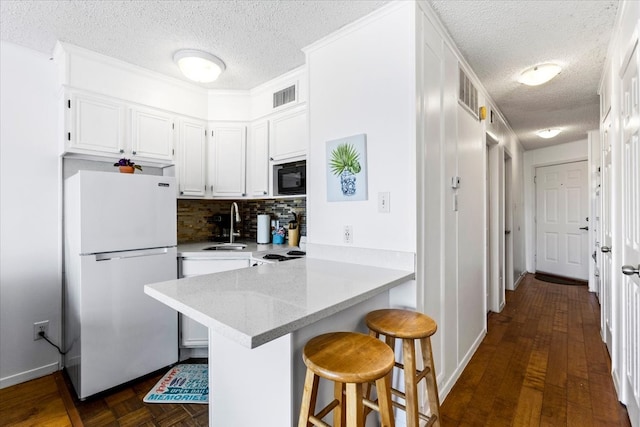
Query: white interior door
(631, 237)
(606, 294)
(562, 208)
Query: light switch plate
(384, 205)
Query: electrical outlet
(38, 327)
(347, 234)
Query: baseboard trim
(29, 375)
(451, 381)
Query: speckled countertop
(256, 305)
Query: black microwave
(292, 178)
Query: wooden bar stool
(350, 360)
(410, 326)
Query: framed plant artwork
(347, 169)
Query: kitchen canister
(264, 229)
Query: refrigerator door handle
(106, 256)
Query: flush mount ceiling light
(548, 133)
(539, 74)
(199, 66)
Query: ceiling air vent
(284, 96)
(468, 94)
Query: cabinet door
(192, 333)
(96, 125)
(192, 158)
(151, 134)
(258, 160)
(227, 159)
(289, 134)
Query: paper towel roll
(264, 229)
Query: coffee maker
(221, 224)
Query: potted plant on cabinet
(127, 166)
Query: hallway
(542, 363)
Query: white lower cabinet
(192, 333)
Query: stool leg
(383, 388)
(367, 387)
(339, 413)
(430, 379)
(355, 407)
(410, 387)
(309, 396)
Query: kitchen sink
(226, 247)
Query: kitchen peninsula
(259, 319)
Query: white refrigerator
(120, 234)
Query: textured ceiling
(499, 39)
(259, 40)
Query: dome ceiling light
(199, 66)
(548, 133)
(539, 74)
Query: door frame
(495, 223)
(530, 203)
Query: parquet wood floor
(542, 363)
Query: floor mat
(552, 278)
(182, 384)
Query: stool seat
(348, 357)
(401, 323)
(351, 361)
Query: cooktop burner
(278, 257)
(296, 253)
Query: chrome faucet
(232, 231)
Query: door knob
(584, 228)
(629, 270)
(605, 249)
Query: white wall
(30, 260)
(362, 81)
(563, 153)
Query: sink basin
(226, 247)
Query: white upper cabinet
(227, 159)
(289, 134)
(258, 160)
(152, 134)
(98, 126)
(95, 125)
(191, 165)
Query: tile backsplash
(195, 225)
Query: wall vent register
(467, 93)
(284, 96)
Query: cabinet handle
(264, 192)
(629, 270)
(605, 249)
(121, 151)
(181, 193)
(271, 158)
(134, 153)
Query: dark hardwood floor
(51, 401)
(542, 363)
